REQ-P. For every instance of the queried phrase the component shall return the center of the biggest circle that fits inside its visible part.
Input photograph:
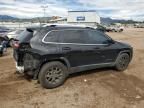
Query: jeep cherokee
(50, 53)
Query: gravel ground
(101, 88)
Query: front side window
(73, 36)
(96, 37)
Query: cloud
(30, 8)
(120, 9)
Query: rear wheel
(121, 30)
(122, 62)
(113, 30)
(52, 74)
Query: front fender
(130, 52)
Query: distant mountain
(46, 19)
(36, 19)
(110, 21)
(6, 17)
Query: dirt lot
(102, 88)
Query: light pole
(44, 7)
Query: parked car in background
(3, 44)
(139, 25)
(101, 28)
(4, 30)
(51, 53)
(12, 35)
(114, 29)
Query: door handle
(66, 48)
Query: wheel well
(59, 60)
(126, 53)
(62, 61)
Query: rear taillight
(15, 44)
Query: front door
(107, 51)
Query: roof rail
(63, 25)
(68, 25)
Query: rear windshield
(25, 36)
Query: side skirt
(90, 67)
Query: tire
(121, 30)
(122, 62)
(52, 75)
(113, 30)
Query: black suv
(52, 52)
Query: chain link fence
(18, 25)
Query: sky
(116, 9)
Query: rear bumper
(26, 62)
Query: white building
(88, 18)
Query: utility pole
(44, 7)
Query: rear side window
(73, 36)
(52, 36)
(40, 32)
